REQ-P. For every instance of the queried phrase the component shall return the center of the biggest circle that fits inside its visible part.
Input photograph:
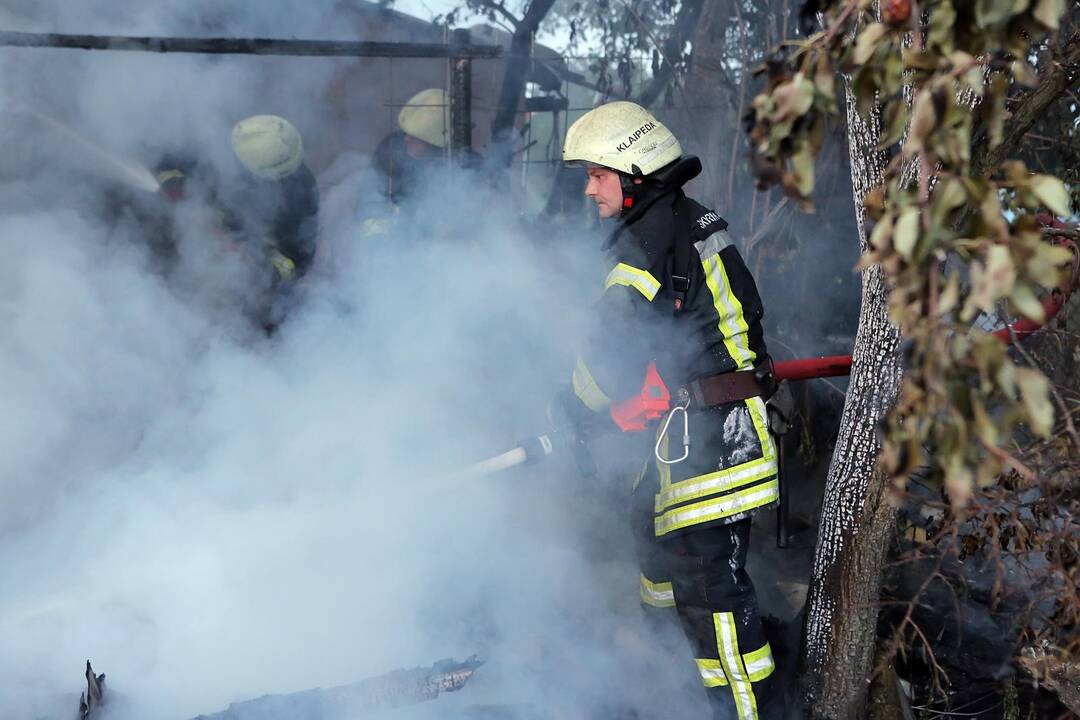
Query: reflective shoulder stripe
(713, 244)
(657, 594)
(727, 643)
(732, 324)
(640, 280)
(724, 506)
(712, 673)
(759, 663)
(718, 482)
(587, 390)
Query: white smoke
(211, 515)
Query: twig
(840, 20)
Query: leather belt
(730, 387)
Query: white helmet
(269, 146)
(621, 136)
(427, 117)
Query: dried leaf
(1051, 193)
(1035, 395)
(1045, 264)
(867, 42)
(802, 164)
(923, 121)
(1049, 12)
(793, 99)
(882, 233)
(941, 25)
(907, 232)
(950, 296)
(1026, 303)
(959, 481)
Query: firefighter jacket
(731, 470)
(281, 214)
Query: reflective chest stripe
(629, 276)
(732, 324)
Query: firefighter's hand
(566, 415)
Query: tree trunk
(518, 65)
(857, 520)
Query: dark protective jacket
(280, 215)
(731, 471)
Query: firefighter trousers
(700, 575)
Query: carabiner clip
(685, 436)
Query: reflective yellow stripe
(717, 482)
(587, 390)
(657, 594)
(663, 469)
(284, 265)
(759, 663)
(728, 645)
(758, 413)
(166, 175)
(641, 280)
(732, 324)
(712, 674)
(717, 508)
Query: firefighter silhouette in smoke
(413, 165)
(680, 309)
(265, 210)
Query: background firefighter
(679, 295)
(274, 206)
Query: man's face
(605, 190)
(418, 149)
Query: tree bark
(857, 520)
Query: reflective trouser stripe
(728, 645)
(718, 508)
(715, 483)
(586, 389)
(712, 674)
(732, 323)
(629, 276)
(759, 663)
(657, 594)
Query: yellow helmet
(621, 136)
(427, 117)
(268, 145)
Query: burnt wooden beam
(248, 46)
(461, 96)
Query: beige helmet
(621, 136)
(427, 117)
(269, 146)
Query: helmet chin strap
(629, 191)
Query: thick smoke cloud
(210, 514)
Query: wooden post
(460, 97)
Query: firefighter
(420, 141)
(680, 310)
(412, 158)
(277, 202)
(273, 207)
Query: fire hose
(539, 447)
